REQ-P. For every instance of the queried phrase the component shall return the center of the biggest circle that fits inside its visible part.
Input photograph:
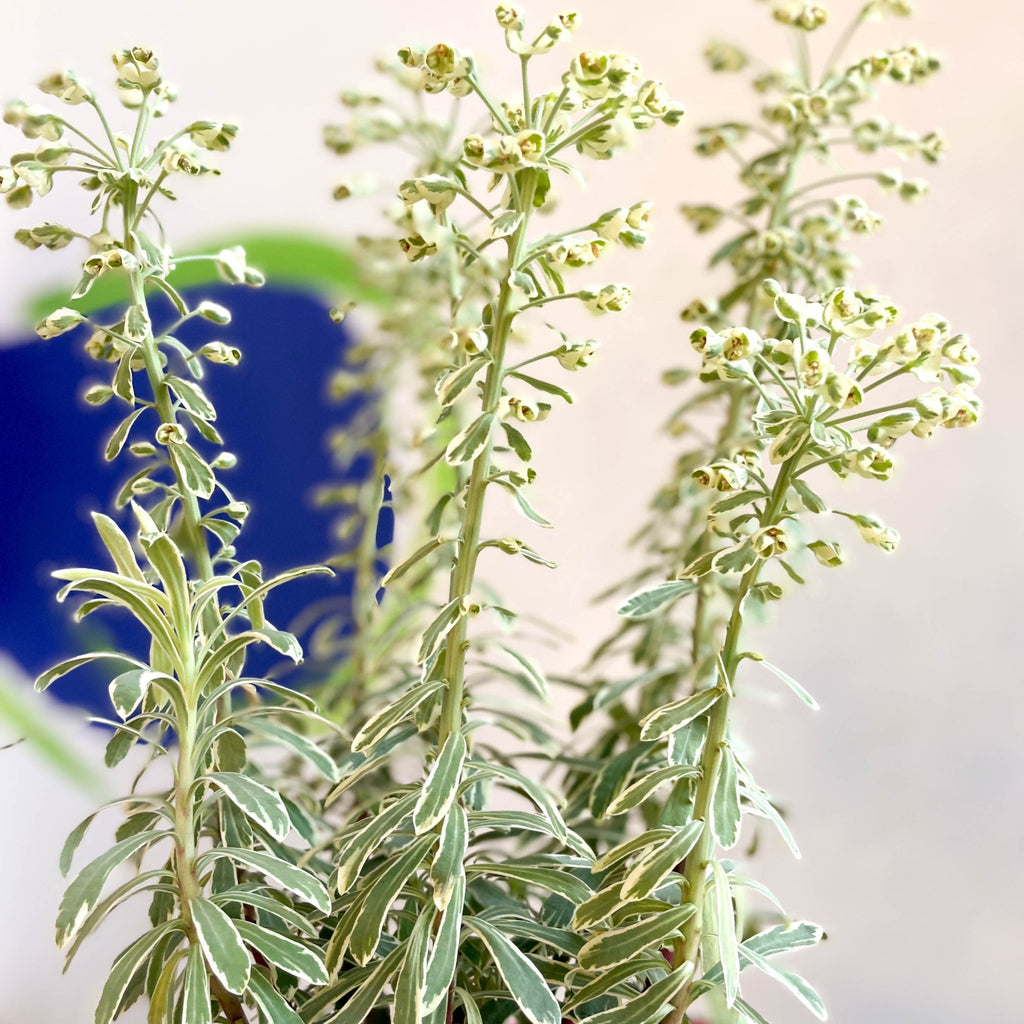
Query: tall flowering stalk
(212, 853)
(794, 385)
(466, 931)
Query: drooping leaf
(442, 784)
(617, 945)
(272, 1004)
(125, 968)
(446, 869)
(409, 1007)
(640, 790)
(523, 981)
(223, 949)
(651, 1006)
(669, 717)
(441, 967)
(724, 924)
(647, 873)
(652, 599)
(254, 800)
(289, 955)
(726, 801)
(195, 994)
(83, 893)
(290, 877)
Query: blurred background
(904, 791)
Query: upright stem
(186, 770)
(687, 947)
(464, 571)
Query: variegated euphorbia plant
(433, 877)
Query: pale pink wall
(905, 789)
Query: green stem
(687, 947)
(463, 573)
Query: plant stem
(687, 947)
(463, 573)
(186, 770)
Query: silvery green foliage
(797, 392)
(214, 855)
(433, 903)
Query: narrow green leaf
(652, 599)
(618, 945)
(669, 717)
(629, 847)
(517, 442)
(651, 1006)
(725, 925)
(262, 900)
(525, 507)
(369, 921)
(394, 714)
(434, 634)
(125, 967)
(469, 1007)
(81, 895)
(192, 397)
(764, 807)
(452, 383)
(289, 955)
(122, 383)
(301, 745)
(255, 801)
(119, 546)
(725, 805)
(614, 776)
(288, 876)
(195, 995)
(471, 441)
(791, 683)
(525, 984)
(223, 949)
(417, 556)
(442, 784)
(358, 1008)
(810, 499)
(195, 472)
(128, 689)
(546, 803)
(533, 672)
(797, 985)
(644, 787)
(272, 1004)
(370, 838)
(117, 439)
(441, 968)
(447, 868)
(542, 385)
(409, 1007)
(574, 889)
(648, 873)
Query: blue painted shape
(273, 414)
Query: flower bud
(225, 460)
(137, 68)
(218, 352)
(612, 298)
(67, 87)
(58, 322)
(170, 433)
(416, 247)
(214, 312)
(874, 531)
(828, 553)
(215, 135)
(769, 541)
(510, 17)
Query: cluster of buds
(507, 154)
(856, 215)
(625, 225)
(801, 15)
(49, 236)
(576, 355)
(512, 19)
(442, 67)
(875, 10)
(612, 298)
(723, 56)
(435, 190)
(138, 75)
(67, 87)
(574, 251)
(904, 64)
(727, 474)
